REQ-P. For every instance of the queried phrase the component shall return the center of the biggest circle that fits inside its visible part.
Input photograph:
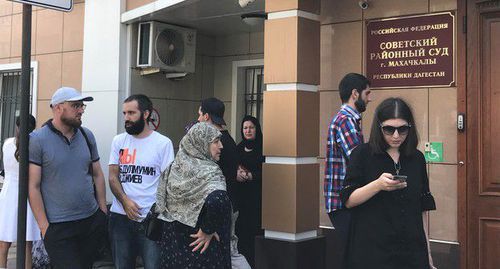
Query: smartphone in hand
(400, 178)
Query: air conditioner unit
(167, 47)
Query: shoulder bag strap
(91, 170)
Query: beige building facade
(304, 47)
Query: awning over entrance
(210, 17)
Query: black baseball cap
(215, 108)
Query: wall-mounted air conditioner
(167, 47)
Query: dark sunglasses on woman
(390, 130)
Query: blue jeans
(129, 241)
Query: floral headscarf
(192, 176)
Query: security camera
(244, 3)
(363, 4)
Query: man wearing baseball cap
(212, 110)
(64, 168)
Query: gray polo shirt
(66, 184)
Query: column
(105, 73)
(290, 214)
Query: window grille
(10, 103)
(254, 85)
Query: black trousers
(341, 220)
(74, 244)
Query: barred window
(254, 85)
(10, 103)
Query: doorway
(482, 230)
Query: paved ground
(11, 258)
(11, 261)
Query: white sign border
(45, 5)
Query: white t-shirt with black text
(141, 161)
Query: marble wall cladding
(442, 121)
(394, 8)
(340, 11)
(49, 74)
(5, 8)
(132, 4)
(341, 52)
(49, 34)
(442, 5)
(73, 28)
(16, 38)
(43, 112)
(72, 69)
(5, 33)
(56, 44)
(443, 185)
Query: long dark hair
(31, 127)
(252, 144)
(393, 108)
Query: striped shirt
(344, 134)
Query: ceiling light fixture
(254, 18)
(244, 3)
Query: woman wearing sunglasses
(387, 190)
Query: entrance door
(483, 134)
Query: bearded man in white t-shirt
(137, 159)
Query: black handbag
(153, 225)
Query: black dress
(228, 163)
(387, 230)
(215, 216)
(249, 200)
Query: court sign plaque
(414, 51)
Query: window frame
(16, 67)
(238, 91)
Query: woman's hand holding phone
(386, 182)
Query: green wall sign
(434, 152)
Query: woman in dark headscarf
(249, 187)
(193, 202)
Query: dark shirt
(249, 193)
(215, 216)
(249, 200)
(228, 163)
(387, 230)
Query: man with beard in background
(344, 134)
(137, 159)
(64, 168)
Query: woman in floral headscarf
(193, 202)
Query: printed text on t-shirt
(131, 173)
